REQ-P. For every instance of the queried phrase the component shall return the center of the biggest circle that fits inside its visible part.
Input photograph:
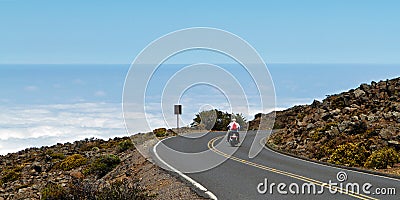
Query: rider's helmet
(234, 120)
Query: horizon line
(267, 63)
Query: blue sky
(104, 31)
(312, 48)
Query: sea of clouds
(38, 125)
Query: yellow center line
(295, 176)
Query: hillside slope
(88, 169)
(357, 128)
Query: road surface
(269, 175)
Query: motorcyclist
(233, 127)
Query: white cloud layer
(22, 127)
(38, 125)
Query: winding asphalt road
(269, 175)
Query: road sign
(178, 109)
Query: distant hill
(357, 128)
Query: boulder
(354, 118)
(316, 104)
(77, 175)
(359, 93)
(335, 112)
(363, 117)
(343, 126)
(37, 167)
(310, 126)
(385, 134)
(365, 87)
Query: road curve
(269, 175)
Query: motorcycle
(234, 138)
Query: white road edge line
(315, 163)
(191, 181)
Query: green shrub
(72, 162)
(9, 176)
(95, 149)
(319, 133)
(53, 191)
(89, 145)
(125, 145)
(327, 127)
(278, 126)
(370, 133)
(301, 116)
(316, 136)
(382, 158)
(277, 138)
(48, 152)
(122, 190)
(160, 132)
(55, 155)
(350, 154)
(101, 166)
(110, 144)
(119, 190)
(325, 150)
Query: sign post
(177, 111)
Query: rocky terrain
(88, 169)
(357, 128)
